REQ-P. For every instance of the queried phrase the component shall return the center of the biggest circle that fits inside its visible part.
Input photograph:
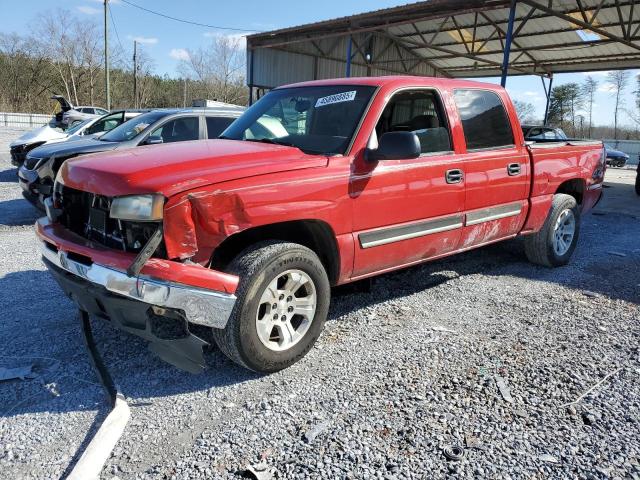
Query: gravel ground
(480, 351)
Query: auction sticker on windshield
(337, 98)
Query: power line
(114, 28)
(188, 21)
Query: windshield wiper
(270, 140)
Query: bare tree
(589, 88)
(145, 82)
(525, 110)
(219, 67)
(617, 81)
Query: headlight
(137, 207)
(33, 163)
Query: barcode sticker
(337, 98)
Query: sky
(166, 41)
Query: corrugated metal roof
(454, 38)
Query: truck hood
(174, 168)
(40, 134)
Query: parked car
(246, 234)
(38, 172)
(615, 158)
(542, 132)
(19, 148)
(69, 114)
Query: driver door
(409, 210)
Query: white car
(50, 134)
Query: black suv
(39, 170)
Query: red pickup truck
(239, 240)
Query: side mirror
(395, 146)
(153, 141)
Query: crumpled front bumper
(200, 307)
(165, 304)
(162, 283)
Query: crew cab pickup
(238, 240)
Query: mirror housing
(153, 141)
(395, 146)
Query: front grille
(87, 215)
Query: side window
(217, 125)
(178, 130)
(106, 124)
(88, 110)
(484, 119)
(420, 112)
(535, 133)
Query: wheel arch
(316, 235)
(574, 187)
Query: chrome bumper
(200, 306)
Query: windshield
(77, 127)
(319, 120)
(133, 127)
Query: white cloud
(241, 38)
(606, 87)
(603, 73)
(88, 10)
(179, 54)
(144, 40)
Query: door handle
(513, 169)
(454, 176)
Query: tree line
(65, 56)
(572, 107)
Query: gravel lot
(480, 351)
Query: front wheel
(282, 304)
(554, 243)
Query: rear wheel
(554, 244)
(283, 300)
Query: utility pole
(135, 74)
(184, 98)
(106, 57)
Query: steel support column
(548, 92)
(507, 43)
(250, 52)
(347, 72)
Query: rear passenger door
(217, 125)
(496, 167)
(180, 129)
(410, 210)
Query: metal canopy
(453, 38)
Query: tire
(258, 267)
(540, 246)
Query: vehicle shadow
(41, 330)
(9, 176)
(18, 212)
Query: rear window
(484, 119)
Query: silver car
(68, 114)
